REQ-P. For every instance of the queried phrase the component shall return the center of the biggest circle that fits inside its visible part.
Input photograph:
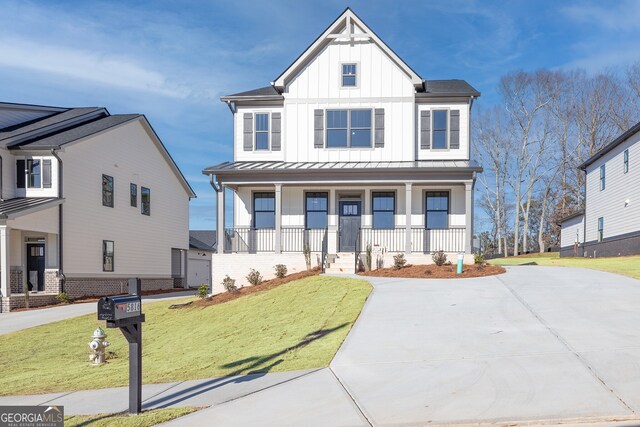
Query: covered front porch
(29, 252)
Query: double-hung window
(384, 206)
(600, 229)
(145, 201)
(439, 129)
(262, 131)
(316, 210)
(264, 210)
(349, 128)
(107, 255)
(626, 160)
(349, 77)
(107, 191)
(33, 173)
(602, 178)
(437, 210)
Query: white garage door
(199, 272)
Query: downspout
(584, 217)
(232, 106)
(60, 223)
(1, 172)
(214, 184)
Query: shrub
(439, 258)
(203, 291)
(254, 277)
(281, 270)
(478, 258)
(368, 257)
(229, 284)
(399, 261)
(63, 297)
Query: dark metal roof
(203, 239)
(434, 88)
(568, 217)
(284, 167)
(49, 121)
(67, 135)
(613, 144)
(9, 208)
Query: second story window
(602, 178)
(33, 173)
(107, 191)
(349, 78)
(348, 128)
(133, 195)
(145, 201)
(626, 161)
(262, 131)
(439, 129)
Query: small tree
(399, 261)
(203, 291)
(368, 258)
(439, 258)
(281, 270)
(229, 284)
(306, 249)
(254, 277)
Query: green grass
(628, 265)
(299, 325)
(145, 419)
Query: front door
(349, 225)
(35, 266)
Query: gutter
(231, 105)
(60, 222)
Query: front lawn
(298, 325)
(628, 265)
(145, 419)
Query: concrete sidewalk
(19, 320)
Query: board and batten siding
(460, 153)
(142, 243)
(619, 202)
(572, 231)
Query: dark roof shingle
(203, 239)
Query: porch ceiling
(269, 171)
(19, 206)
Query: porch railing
(252, 240)
(422, 240)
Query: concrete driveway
(537, 345)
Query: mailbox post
(125, 312)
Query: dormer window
(33, 173)
(349, 75)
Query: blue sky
(173, 60)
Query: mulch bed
(432, 271)
(247, 290)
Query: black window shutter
(425, 130)
(46, 173)
(379, 123)
(248, 132)
(454, 132)
(20, 173)
(318, 128)
(275, 132)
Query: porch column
(468, 209)
(407, 203)
(220, 219)
(277, 242)
(5, 265)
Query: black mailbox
(117, 308)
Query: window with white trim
(262, 131)
(349, 75)
(33, 172)
(439, 129)
(349, 128)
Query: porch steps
(341, 263)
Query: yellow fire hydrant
(98, 346)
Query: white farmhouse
(87, 200)
(348, 147)
(611, 219)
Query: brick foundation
(80, 287)
(19, 301)
(16, 281)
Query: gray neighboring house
(202, 243)
(611, 222)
